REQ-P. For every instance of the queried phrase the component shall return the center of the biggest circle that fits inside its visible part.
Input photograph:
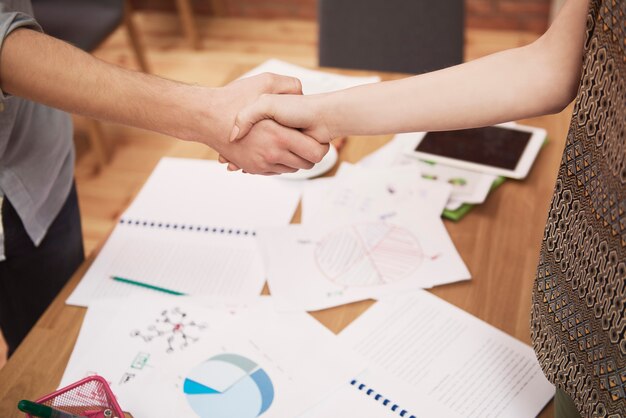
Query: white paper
(157, 353)
(105, 313)
(375, 393)
(318, 266)
(190, 230)
(458, 365)
(374, 193)
(467, 186)
(197, 192)
(313, 81)
(389, 155)
(347, 401)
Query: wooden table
(499, 241)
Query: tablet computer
(507, 150)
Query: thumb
(250, 115)
(281, 84)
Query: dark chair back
(83, 23)
(409, 36)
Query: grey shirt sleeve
(9, 21)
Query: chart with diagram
(228, 385)
(174, 328)
(368, 254)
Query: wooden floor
(230, 47)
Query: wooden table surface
(499, 241)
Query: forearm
(49, 71)
(506, 86)
(533, 80)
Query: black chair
(407, 36)
(86, 24)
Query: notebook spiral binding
(382, 399)
(188, 227)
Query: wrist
(328, 107)
(198, 117)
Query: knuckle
(264, 98)
(258, 164)
(281, 141)
(263, 104)
(241, 117)
(298, 85)
(270, 156)
(268, 79)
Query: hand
(272, 149)
(269, 148)
(298, 112)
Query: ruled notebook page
(200, 192)
(191, 230)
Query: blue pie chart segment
(194, 388)
(264, 384)
(228, 386)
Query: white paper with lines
(454, 364)
(201, 192)
(328, 264)
(313, 81)
(190, 230)
(375, 192)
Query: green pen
(43, 411)
(147, 286)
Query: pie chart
(228, 386)
(368, 254)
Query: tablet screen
(492, 146)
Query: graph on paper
(229, 385)
(368, 254)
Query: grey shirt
(36, 148)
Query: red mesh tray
(88, 397)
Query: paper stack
(468, 187)
(365, 233)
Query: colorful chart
(229, 385)
(368, 254)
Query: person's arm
(43, 69)
(536, 79)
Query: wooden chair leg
(189, 25)
(140, 54)
(96, 139)
(4, 351)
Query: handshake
(268, 127)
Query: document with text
(434, 359)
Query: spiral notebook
(382, 399)
(191, 229)
(373, 394)
(428, 358)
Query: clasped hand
(276, 132)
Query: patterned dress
(578, 313)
